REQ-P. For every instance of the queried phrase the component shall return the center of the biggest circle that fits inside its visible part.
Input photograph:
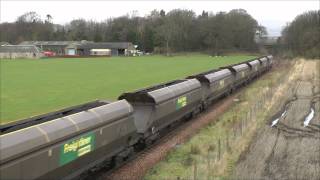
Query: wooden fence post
(219, 149)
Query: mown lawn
(33, 87)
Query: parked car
(49, 53)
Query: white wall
(19, 55)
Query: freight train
(68, 143)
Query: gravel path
(289, 150)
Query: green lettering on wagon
(181, 102)
(76, 147)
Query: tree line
(301, 37)
(161, 32)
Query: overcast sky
(272, 14)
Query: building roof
(106, 45)
(19, 49)
(50, 43)
(81, 44)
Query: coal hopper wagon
(215, 84)
(65, 143)
(264, 64)
(241, 74)
(160, 106)
(255, 66)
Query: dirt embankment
(290, 149)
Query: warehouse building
(103, 48)
(84, 48)
(19, 51)
(55, 46)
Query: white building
(19, 51)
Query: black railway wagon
(68, 144)
(162, 105)
(215, 83)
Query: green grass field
(33, 87)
